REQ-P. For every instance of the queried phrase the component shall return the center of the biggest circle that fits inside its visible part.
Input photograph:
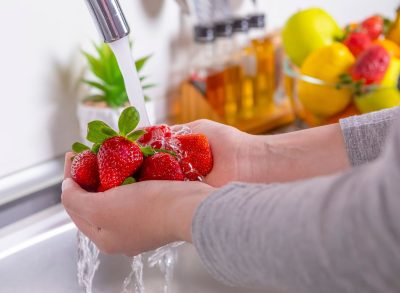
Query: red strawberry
(371, 65)
(85, 170)
(373, 26)
(161, 166)
(155, 136)
(118, 159)
(195, 155)
(357, 42)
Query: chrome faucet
(109, 18)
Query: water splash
(165, 259)
(136, 274)
(88, 262)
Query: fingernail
(66, 183)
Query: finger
(78, 200)
(67, 165)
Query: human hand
(134, 218)
(238, 156)
(272, 158)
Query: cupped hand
(135, 218)
(238, 156)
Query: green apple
(386, 96)
(308, 30)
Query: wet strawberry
(195, 155)
(161, 166)
(118, 159)
(357, 42)
(156, 136)
(373, 26)
(85, 170)
(371, 65)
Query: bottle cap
(204, 34)
(257, 21)
(241, 25)
(223, 29)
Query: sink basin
(50, 265)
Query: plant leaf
(98, 132)
(148, 151)
(128, 121)
(134, 136)
(129, 180)
(149, 86)
(141, 62)
(96, 85)
(79, 148)
(95, 66)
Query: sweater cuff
(365, 135)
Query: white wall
(40, 62)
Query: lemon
(387, 96)
(326, 64)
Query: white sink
(50, 265)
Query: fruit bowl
(317, 102)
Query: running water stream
(122, 52)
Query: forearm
(331, 234)
(297, 155)
(337, 233)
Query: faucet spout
(109, 19)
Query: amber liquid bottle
(245, 58)
(223, 80)
(200, 67)
(265, 59)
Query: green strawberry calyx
(78, 148)
(346, 81)
(98, 132)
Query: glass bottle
(244, 56)
(203, 56)
(222, 83)
(265, 56)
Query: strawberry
(357, 42)
(373, 26)
(371, 65)
(161, 166)
(118, 159)
(155, 136)
(85, 170)
(195, 155)
(119, 156)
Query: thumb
(69, 185)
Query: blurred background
(265, 67)
(42, 64)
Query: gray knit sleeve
(365, 135)
(339, 233)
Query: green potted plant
(107, 96)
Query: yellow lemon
(386, 96)
(326, 64)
